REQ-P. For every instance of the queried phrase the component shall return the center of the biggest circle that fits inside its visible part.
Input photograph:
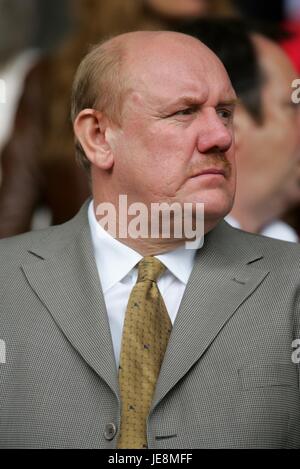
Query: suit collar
(63, 274)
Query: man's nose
(214, 134)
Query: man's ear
(91, 129)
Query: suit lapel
(216, 289)
(68, 285)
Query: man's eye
(225, 114)
(185, 112)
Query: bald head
(143, 44)
(138, 61)
(153, 53)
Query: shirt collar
(115, 259)
(232, 221)
(276, 229)
(179, 262)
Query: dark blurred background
(55, 16)
(54, 22)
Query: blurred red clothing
(292, 45)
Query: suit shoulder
(14, 250)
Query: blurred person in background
(292, 24)
(17, 56)
(291, 46)
(286, 14)
(267, 126)
(38, 165)
(268, 152)
(189, 9)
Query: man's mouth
(211, 171)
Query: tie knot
(150, 268)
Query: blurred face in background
(268, 154)
(178, 9)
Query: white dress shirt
(277, 229)
(117, 268)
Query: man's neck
(150, 247)
(251, 220)
(144, 243)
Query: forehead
(173, 70)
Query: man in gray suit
(153, 116)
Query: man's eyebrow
(229, 102)
(194, 101)
(186, 101)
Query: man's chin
(215, 212)
(215, 205)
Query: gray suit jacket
(227, 380)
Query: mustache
(217, 161)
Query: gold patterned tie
(146, 332)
